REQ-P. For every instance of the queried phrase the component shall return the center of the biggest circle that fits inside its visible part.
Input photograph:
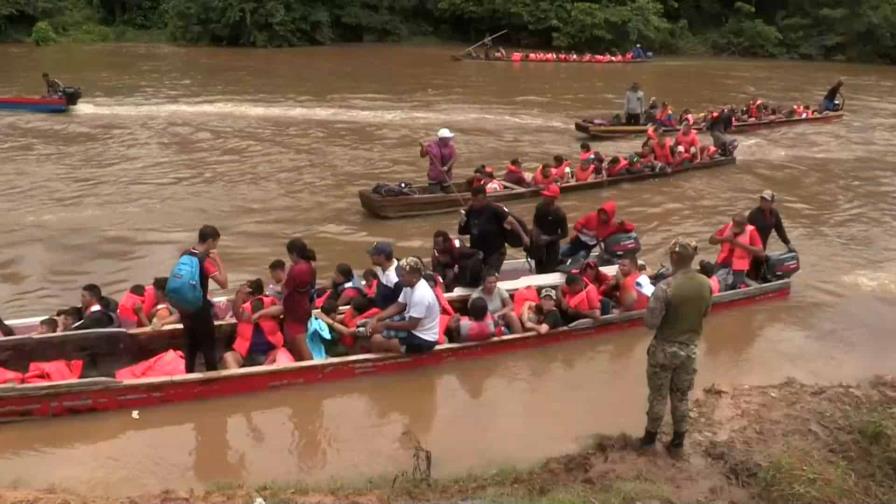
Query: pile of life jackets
(44, 372)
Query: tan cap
(684, 247)
(768, 194)
(548, 292)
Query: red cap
(551, 191)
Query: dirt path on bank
(786, 443)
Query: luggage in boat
(399, 189)
(620, 244)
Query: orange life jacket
(714, 285)
(494, 186)
(741, 259)
(541, 180)
(662, 153)
(269, 325)
(350, 319)
(370, 288)
(127, 311)
(641, 299)
(580, 301)
(516, 57)
(521, 296)
(481, 330)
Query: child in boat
(47, 326)
(162, 314)
(277, 272)
(479, 326)
(370, 282)
(68, 317)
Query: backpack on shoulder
(184, 290)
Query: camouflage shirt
(678, 306)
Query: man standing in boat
(675, 311)
(442, 156)
(633, 105)
(829, 102)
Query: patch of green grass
(803, 478)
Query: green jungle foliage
(863, 30)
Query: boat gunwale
(615, 131)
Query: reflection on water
(268, 144)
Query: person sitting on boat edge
(498, 303)
(484, 222)
(514, 174)
(258, 335)
(542, 317)
(549, 228)
(829, 102)
(593, 228)
(739, 244)
(580, 300)
(633, 286)
(478, 326)
(442, 157)
(53, 86)
(411, 324)
(97, 311)
(388, 288)
(277, 272)
(454, 262)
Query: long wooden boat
(393, 207)
(100, 393)
(605, 131)
(467, 57)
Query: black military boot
(648, 441)
(676, 445)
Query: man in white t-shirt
(388, 288)
(411, 324)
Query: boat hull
(40, 105)
(427, 204)
(105, 394)
(609, 132)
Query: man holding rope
(442, 156)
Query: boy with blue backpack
(187, 292)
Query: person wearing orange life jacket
(687, 145)
(740, 243)
(370, 282)
(544, 176)
(580, 300)
(348, 339)
(516, 57)
(661, 150)
(590, 162)
(634, 287)
(490, 182)
(258, 336)
(593, 228)
(514, 174)
(130, 305)
(665, 117)
(562, 169)
(478, 326)
(755, 109)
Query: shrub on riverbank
(865, 30)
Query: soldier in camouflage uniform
(676, 311)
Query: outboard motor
(71, 95)
(620, 244)
(781, 265)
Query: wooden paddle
(486, 39)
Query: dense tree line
(855, 30)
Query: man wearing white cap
(442, 156)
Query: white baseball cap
(445, 133)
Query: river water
(268, 144)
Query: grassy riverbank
(788, 443)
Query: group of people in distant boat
(488, 53)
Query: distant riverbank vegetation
(859, 30)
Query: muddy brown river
(267, 144)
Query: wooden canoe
(465, 57)
(394, 207)
(609, 131)
(21, 402)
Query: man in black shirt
(549, 228)
(828, 102)
(199, 326)
(484, 222)
(719, 125)
(765, 218)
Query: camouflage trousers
(671, 368)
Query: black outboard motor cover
(620, 244)
(781, 265)
(71, 95)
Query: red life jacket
(494, 186)
(320, 301)
(57, 370)
(687, 141)
(350, 320)
(481, 330)
(170, 363)
(532, 57)
(754, 109)
(370, 288)
(741, 259)
(541, 180)
(586, 58)
(618, 169)
(10, 376)
(516, 57)
(521, 296)
(269, 325)
(580, 301)
(584, 174)
(126, 309)
(444, 305)
(662, 153)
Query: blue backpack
(184, 290)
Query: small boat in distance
(69, 98)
